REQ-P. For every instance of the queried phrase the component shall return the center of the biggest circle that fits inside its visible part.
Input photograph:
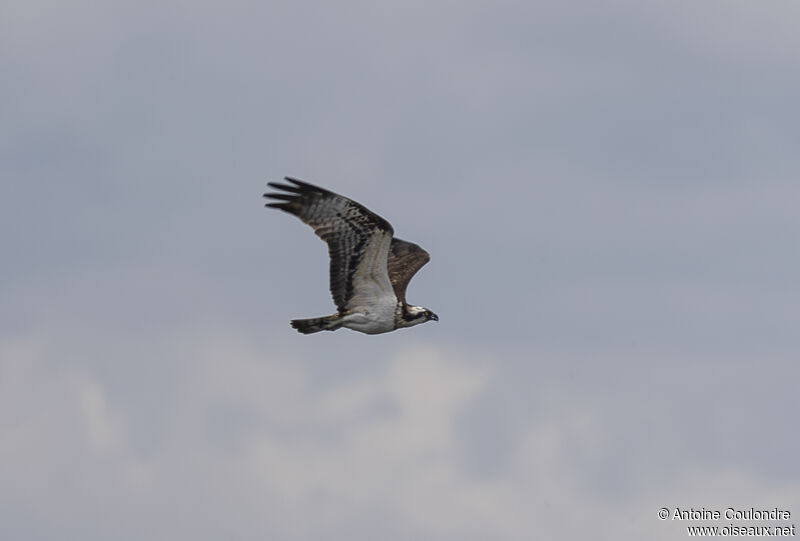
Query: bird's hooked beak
(433, 317)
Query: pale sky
(608, 191)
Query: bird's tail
(316, 324)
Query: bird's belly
(375, 318)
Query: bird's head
(418, 314)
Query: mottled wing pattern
(405, 259)
(350, 230)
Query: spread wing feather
(348, 228)
(405, 259)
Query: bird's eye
(427, 313)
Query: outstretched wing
(405, 259)
(358, 239)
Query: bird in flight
(370, 269)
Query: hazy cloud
(608, 193)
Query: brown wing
(350, 230)
(405, 259)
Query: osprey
(370, 269)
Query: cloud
(608, 194)
(254, 448)
(243, 427)
(102, 427)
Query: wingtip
(281, 196)
(281, 206)
(303, 186)
(284, 187)
(297, 183)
